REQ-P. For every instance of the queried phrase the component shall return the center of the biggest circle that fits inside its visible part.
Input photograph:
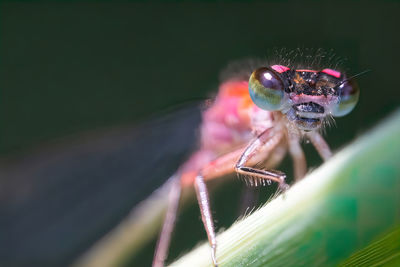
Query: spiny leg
(266, 142)
(273, 175)
(217, 168)
(169, 222)
(206, 216)
(297, 154)
(320, 145)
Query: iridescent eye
(348, 93)
(266, 89)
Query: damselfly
(258, 115)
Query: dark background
(80, 80)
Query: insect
(256, 118)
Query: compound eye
(266, 89)
(348, 97)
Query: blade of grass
(384, 251)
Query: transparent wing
(57, 201)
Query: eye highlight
(266, 89)
(349, 94)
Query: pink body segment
(228, 125)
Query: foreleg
(320, 145)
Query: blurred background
(99, 105)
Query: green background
(70, 68)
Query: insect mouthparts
(309, 107)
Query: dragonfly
(258, 116)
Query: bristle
(328, 122)
(240, 69)
(309, 58)
(254, 181)
(300, 58)
(250, 181)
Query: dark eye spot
(348, 93)
(268, 79)
(266, 89)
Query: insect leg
(260, 149)
(169, 222)
(217, 168)
(320, 145)
(297, 154)
(263, 146)
(206, 216)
